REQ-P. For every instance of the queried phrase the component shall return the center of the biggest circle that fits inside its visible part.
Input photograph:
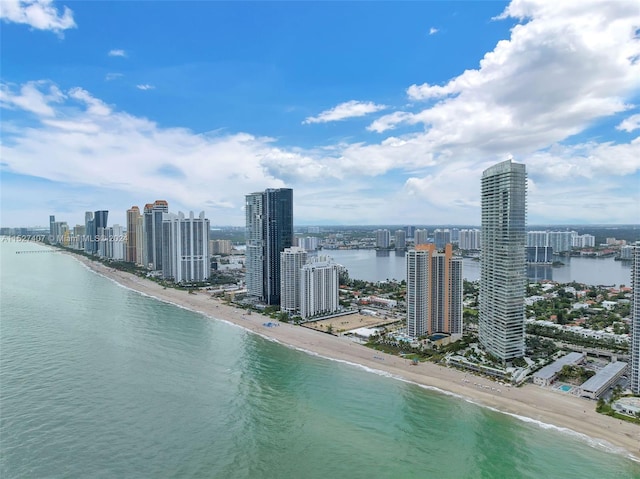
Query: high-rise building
(220, 246)
(441, 237)
(52, 220)
(269, 220)
(561, 241)
(400, 240)
(140, 240)
(153, 233)
(469, 240)
(434, 291)
(89, 231)
(383, 239)
(319, 287)
(291, 262)
(98, 224)
(635, 320)
(501, 326)
(421, 237)
(185, 247)
(538, 238)
(132, 234)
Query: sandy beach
(529, 402)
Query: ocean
(100, 381)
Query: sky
(373, 112)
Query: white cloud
(145, 86)
(349, 109)
(117, 53)
(630, 124)
(31, 98)
(38, 14)
(433, 31)
(113, 76)
(562, 68)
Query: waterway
(371, 265)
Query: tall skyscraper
(421, 237)
(319, 287)
(98, 225)
(153, 233)
(434, 291)
(383, 238)
(89, 231)
(469, 240)
(501, 326)
(269, 221)
(132, 234)
(441, 238)
(52, 220)
(635, 320)
(401, 240)
(185, 247)
(292, 260)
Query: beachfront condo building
(88, 228)
(291, 262)
(153, 234)
(319, 287)
(185, 247)
(269, 230)
(132, 234)
(501, 326)
(635, 320)
(434, 291)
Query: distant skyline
(373, 113)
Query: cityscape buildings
(269, 230)
(501, 326)
(434, 291)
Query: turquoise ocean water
(100, 381)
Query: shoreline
(546, 408)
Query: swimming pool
(565, 388)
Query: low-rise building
(595, 386)
(549, 373)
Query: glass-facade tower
(501, 326)
(269, 222)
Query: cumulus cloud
(629, 124)
(433, 31)
(349, 109)
(117, 53)
(562, 68)
(145, 86)
(38, 14)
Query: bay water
(100, 381)
(374, 266)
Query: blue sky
(373, 112)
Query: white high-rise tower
(501, 327)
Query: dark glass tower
(269, 216)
